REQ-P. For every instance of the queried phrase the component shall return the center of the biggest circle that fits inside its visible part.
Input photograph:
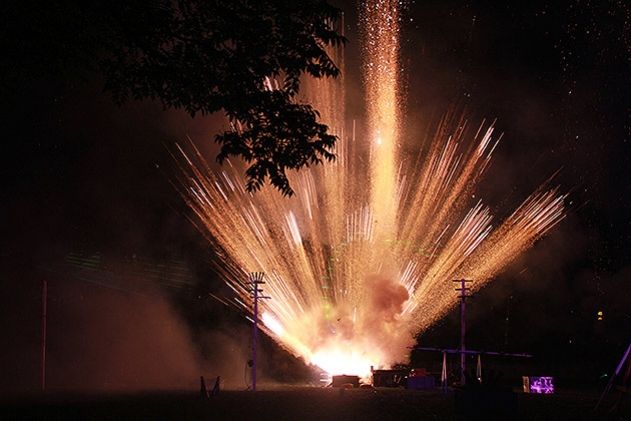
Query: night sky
(84, 176)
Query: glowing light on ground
(362, 257)
(343, 361)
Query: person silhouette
(217, 387)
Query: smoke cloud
(378, 335)
(101, 339)
(387, 298)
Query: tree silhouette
(244, 57)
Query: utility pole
(463, 329)
(507, 322)
(43, 334)
(256, 279)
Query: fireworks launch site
(375, 209)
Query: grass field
(295, 403)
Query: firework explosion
(362, 256)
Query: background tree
(198, 55)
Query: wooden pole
(463, 329)
(43, 334)
(256, 279)
(255, 331)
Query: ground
(295, 403)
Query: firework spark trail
(380, 33)
(362, 256)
